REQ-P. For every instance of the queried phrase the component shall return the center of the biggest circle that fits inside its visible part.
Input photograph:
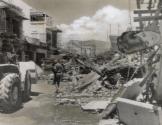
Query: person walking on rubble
(58, 71)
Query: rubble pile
(98, 90)
(101, 83)
(113, 84)
(137, 97)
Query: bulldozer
(15, 80)
(13, 89)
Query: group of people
(58, 70)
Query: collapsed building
(138, 100)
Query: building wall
(27, 26)
(38, 30)
(49, 38)
(26, 11)
(2, 20)
(34, 29)
(54, 39)
(40, 21)
(30, 29)
(10, 22)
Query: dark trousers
(57, 79)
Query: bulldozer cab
(8, 57)
(10, 46)
(8, 68)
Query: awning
(33, 41)
(36, 42)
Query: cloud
(97, 26)
(110, 14)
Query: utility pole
(110, 29)
(118, 29)
(107, 34)
(81, 48)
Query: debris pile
(101, 83)
(120, 84)
(133, 101)
(123, 76)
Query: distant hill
(100, 46)
(113, 40)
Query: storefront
(34, 50)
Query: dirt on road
(41, 110)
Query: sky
(65, 11)
(87, 19)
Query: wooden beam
(147, 18)
(144, 11)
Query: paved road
(40, 110)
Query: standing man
(54, 72)
(43, 65)
(58, 72)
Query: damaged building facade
(42, 40)
(11, 35)
(26, 32)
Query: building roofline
(17, 10)
(54, 29)
(37, 12)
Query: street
(80, 62)
(41, 110)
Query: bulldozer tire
(10, 93)
(27, 87)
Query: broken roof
(16, 10)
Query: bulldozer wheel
(27, 89)
(10, 93)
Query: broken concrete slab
(109, 111)
(138, 113)
(95, 106)
(130, 91)
(66, 101)
(109, 122)
(96, 89)
(87, 80)
(133, 89)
